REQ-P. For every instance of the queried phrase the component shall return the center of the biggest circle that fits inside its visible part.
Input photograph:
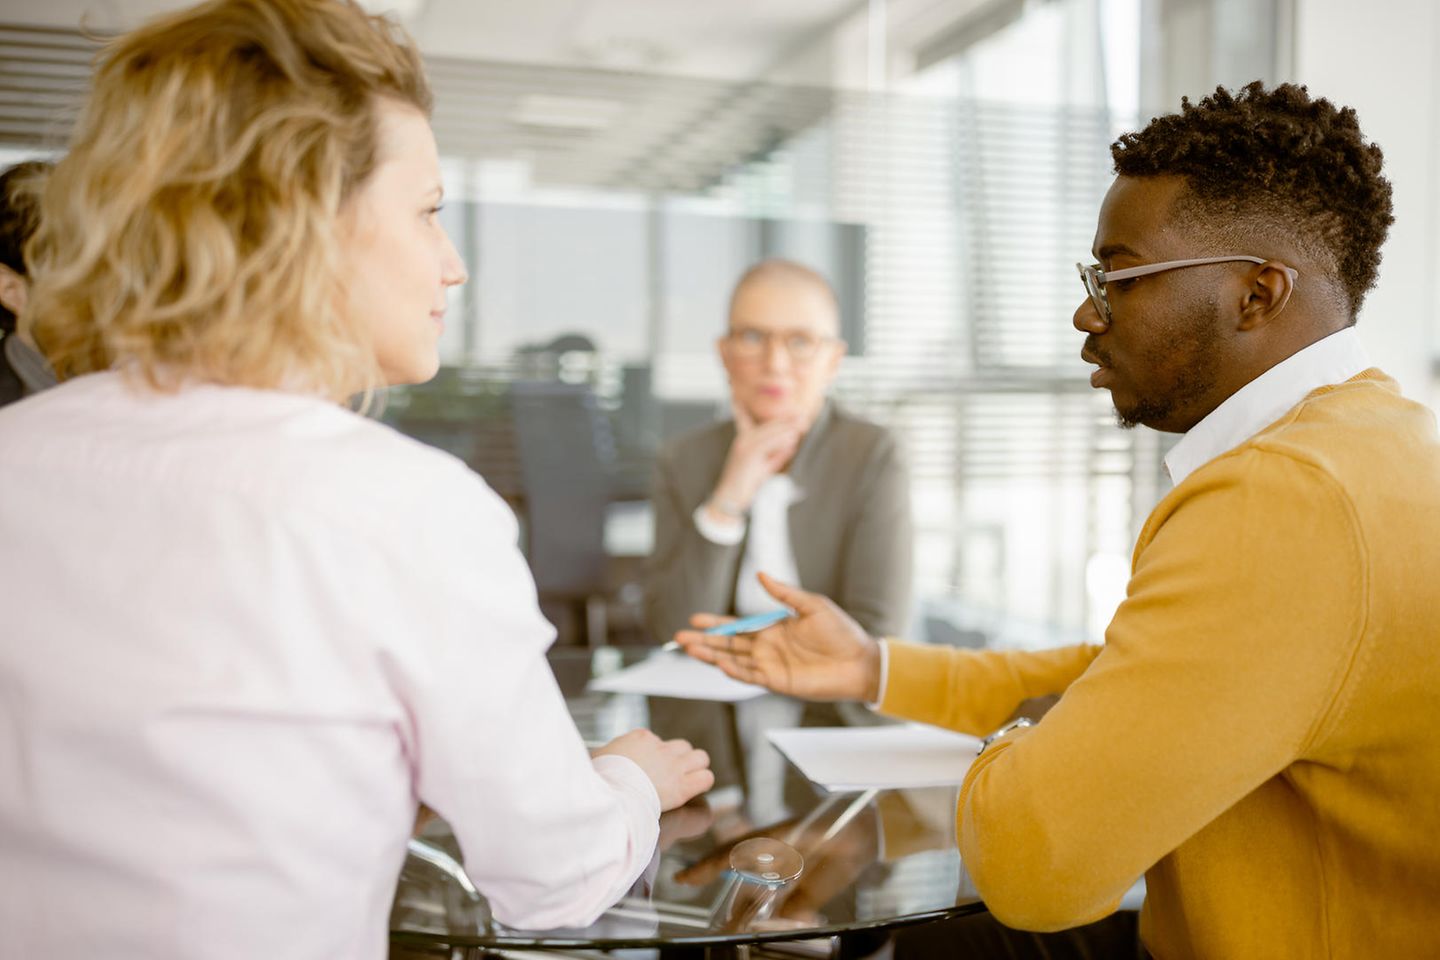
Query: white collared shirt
(1265, 399)
(768, 547)
(242, 632)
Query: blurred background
(613, 165)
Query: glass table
(841, 863)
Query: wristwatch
(1016, 724)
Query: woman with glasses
(791, 485)
(246, 630)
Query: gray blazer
(851, 529)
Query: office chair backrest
(567, 455)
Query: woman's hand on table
(678, 770)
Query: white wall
(1381, 58)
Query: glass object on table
(766, 861)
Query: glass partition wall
(606, 216)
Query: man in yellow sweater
(1258, 736)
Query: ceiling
(735, 39)
(564, 125)
(648, 95)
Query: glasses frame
(784, 336)
(1094, 278)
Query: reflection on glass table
(849, 861)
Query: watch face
(1016, 724)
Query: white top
(241, 633)
(1265, 399)
(768, 547)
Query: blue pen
(744, 625)
(750, 624)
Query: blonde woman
(246, 630)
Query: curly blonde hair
(190, 233)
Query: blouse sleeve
(550, 837)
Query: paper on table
(859, 758)
(676, 675)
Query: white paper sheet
(676, 675)
(859, 758)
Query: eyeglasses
(1095, 279)
(749, 343)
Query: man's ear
(14, 289)
(1268, 295)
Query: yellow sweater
(1259, 735)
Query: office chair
(567, 456)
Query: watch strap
(1018, 723)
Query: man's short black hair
(1277, 162)
(19, 216)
